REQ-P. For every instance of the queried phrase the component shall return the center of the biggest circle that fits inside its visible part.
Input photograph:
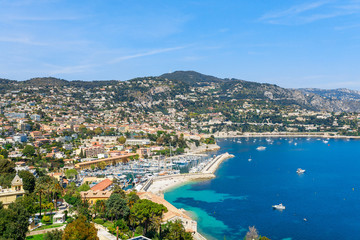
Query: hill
(193, 88)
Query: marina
(319, 204)
(177, 169)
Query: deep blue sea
(241, 195)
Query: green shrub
(99, 221)
(46, 219)
(139, 230)
(122, 225)
(70, 219)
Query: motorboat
(300, 171)
(279, 206)
(261, 148)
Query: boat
(249, 159)
(279, 206)
(261, 148)
(300, 171)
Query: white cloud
(22, 40)
(311, 12)
(143, 54)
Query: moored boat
(300, 171)
(279, 206)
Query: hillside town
(91, 155)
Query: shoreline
(160, 185)
(283, 134)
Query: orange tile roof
(101, 186)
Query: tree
(98, 131)
(29, 151)
(116, 207)
(42, 187)
(132, 198)
(99, 208)
(53, 235)
(6, 166)
(14, 222)
(84, 187)
(71, 173)
(146, 212)
(4, 153)
(7, 172)
(102, 165)
(175, 231)
(121, 140)
(81, 155)
(28, 202)
(252, 234)
(28, 180)
(80, 229)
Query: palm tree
(57, 189)
(40, 189)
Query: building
(59, 218)
(103, 185)
(20, 138)
(173, 213)
(8, 196)
(93, 196)
(36, 117)
(103, 140)
(93, 151)
(23, 126)
(140, 142)
(108, 161)
(36, 134)
(143, 152)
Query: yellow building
(107, 161)
(8, 196)
(92, 196)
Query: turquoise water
(327, 194)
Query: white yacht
(279, 207)
(261, 148)
(300, 171)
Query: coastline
(162, 184)
(282, 134)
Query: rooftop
(102, 185)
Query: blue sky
(289, 43)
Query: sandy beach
(159, 185)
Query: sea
(322, 203)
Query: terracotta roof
(102, 185)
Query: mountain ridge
(168, 85)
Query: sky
(290, 43)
